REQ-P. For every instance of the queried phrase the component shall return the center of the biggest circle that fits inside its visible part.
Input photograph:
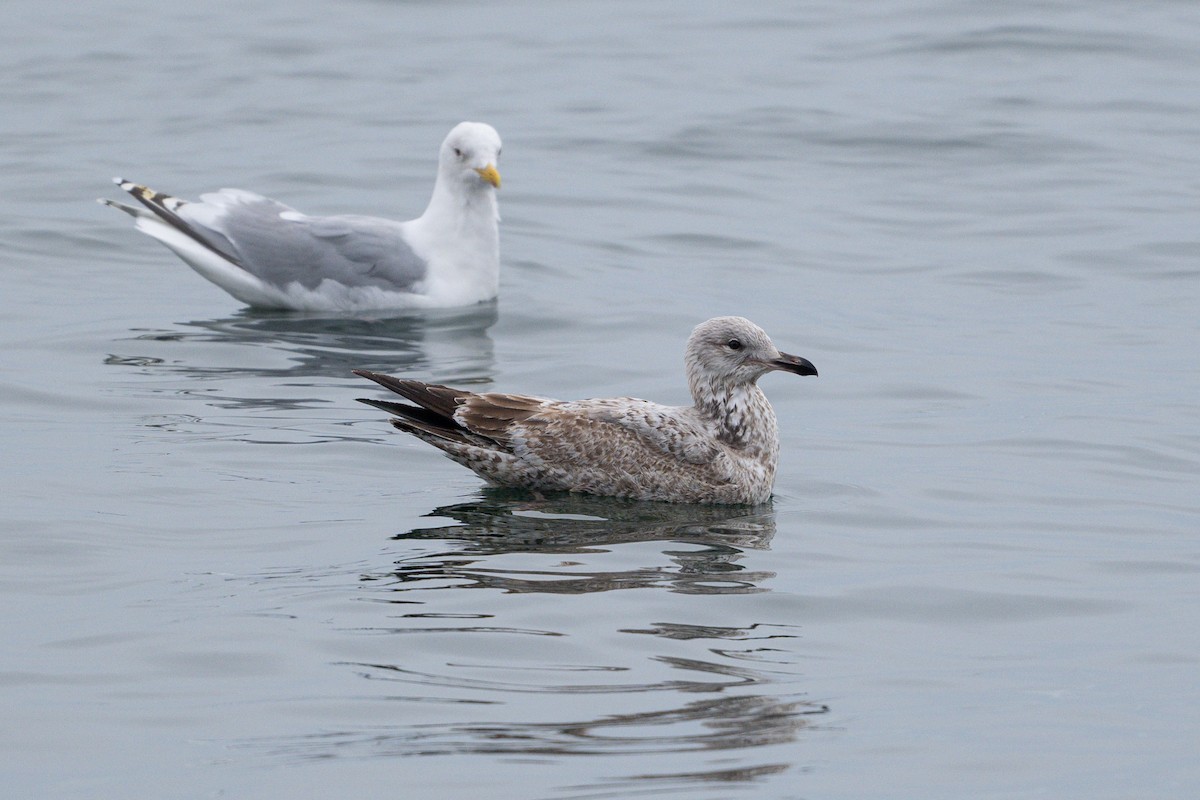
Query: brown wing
(493, 414)
(434, 409)
(451, 413)
(441, 400)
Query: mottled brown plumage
(723, 449)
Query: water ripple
(714, 724)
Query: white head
(469, 156)
(731, 352)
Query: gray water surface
(979, 577)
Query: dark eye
(734, 344)
(458, 152)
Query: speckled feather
(722, 449)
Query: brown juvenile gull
(722, 449)
(269, 255)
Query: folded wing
(281, 246)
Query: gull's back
(281, 246)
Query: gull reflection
(730, 722)
(708, 544)
(228, 358)
(450, 671)
(297, 345)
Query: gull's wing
(581, 429)
(276, 244)
(519, 423)
(673, 430)
(280, 246)
(455, 415)
(622, 447)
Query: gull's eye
(458, 152)
(734, 344)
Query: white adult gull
(722, 449)
(269, 255)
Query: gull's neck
(462, 224)
(458, 210)
(740, 412)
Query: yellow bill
(489, 174)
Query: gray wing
(281, 246)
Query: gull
(722, 449)
(269, 255)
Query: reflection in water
(288, 362)
(736, 670)
(721, 723)
(566, 523)
(316, 346)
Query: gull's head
(470, 154)
(734, 351)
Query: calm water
(222, 577)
